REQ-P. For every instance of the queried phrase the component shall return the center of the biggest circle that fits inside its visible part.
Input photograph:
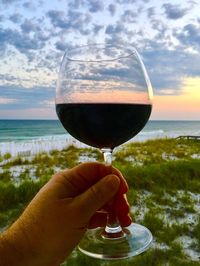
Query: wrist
(9, 253)
(17, 250)
(13, 248)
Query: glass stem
(113, 230)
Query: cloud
(151, 12)
(121, 33)
(174, 11)
(97, 28)
(117, 39)
(129, 16)
(29, 5)
(6, 2)
(127, 74)
(50, 103)
(50, 59)
(116, 69)
(61, 46)
(73, 20)
(160, 28)
(58, 19)
(112, 9)
(15, 97)
(29, 39)
(126, 1)
(15, 38)
(190, 36)
(193, 3)
(28, 26)
(2, 18)
(7, 78)
(4, 100)
(75, 4)
(16, 18)
(115, 29)
(167, 68)
(95, 5)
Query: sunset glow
(107, 97)
(185, 106)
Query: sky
(35, 34)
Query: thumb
(98, 195)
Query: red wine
(103, 125)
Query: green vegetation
(164, 184)
(7, 156)
(171, 175)
(196, 232)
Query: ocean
(26, 137)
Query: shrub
(7, 156)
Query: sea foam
(35, 146)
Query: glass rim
(129, 49)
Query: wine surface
(103, 125)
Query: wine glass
(103, 99)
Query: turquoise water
(22, 130)
(19, 130)
(33, 136)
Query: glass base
(136, 240)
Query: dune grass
(171, 175)
(163, 175)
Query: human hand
(57, 218)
